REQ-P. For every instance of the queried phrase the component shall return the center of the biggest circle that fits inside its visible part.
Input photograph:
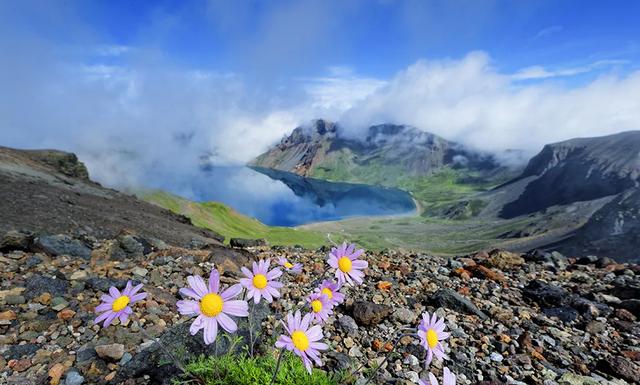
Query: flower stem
(386, 358)
(275, 373)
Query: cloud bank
(470, 101)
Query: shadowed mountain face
(48, 191)
(578, 170)
(387, 152)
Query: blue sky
(138, 85)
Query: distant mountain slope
(612, 231)
(49, 191)
(231, 224)
(388, 152)
(436, 171)
(576, 170)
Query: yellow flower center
(300, 340)
(344, 264)
(288, 265)
(316, 305)
(120, 303)
(260, 281)
(211, 305)
(328, 292)
(432, 338)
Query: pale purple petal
(227, 323)
(214, 281)
(187, 292)
(236, 308)
(115, 293)
(231, 292)
(197, 284)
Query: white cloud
(540, 72)
(551, 30)
(471, 102)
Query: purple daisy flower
(330, 289)
(321, 307)
(261, 282)
(348, 267)
(448, 378)
(302, 340)
(210, 307)
(431, 333)
(290, 267)
(118, 305)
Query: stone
(503, 260)
(85, 353)
(20, 365)
(79, 275)
(139, 271)
(243, 243)
(369, 314)
(563, 313)
(7, 315)
(55, 373)
(546, 295)
(56, 245)
(595, 327)
(14, 299)
(631, 305)
(39, 284)
(66, 314)
(113, 352)
(59, 303)
(449, 299)
(16, 240)
(496, 357)
(348, 324)
(73, 378)
(404, 316)
(620, 367)
(569, 378)
(103, 284)
(133, 246)
(19, 351)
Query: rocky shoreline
(537, 318)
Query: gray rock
(404, 316)
(16, 240)
(14, 299)
(244, 243)
(546, 295)
(348, 324)
(19, 351)
(39, 284)
(85, 353)
(56, 245)
(131, 246)
(73, 378)
(450, 299)
(369, 314)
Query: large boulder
(244, 243)
(16, 240)
(161, 368)
(61, 244)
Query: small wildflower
(116, 304)
(448, 378)
(321, 307)
(302, 339)
(261, 282)
(431, 333)
(330, 289)
(293, 268)
(210, 307)
(348, 267)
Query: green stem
(275, 373)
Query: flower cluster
(213, 307)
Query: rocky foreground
(535, 318)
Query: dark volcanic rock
(449, 299)
(161, 368)
(368, 313)
(620, 367)
(18, 351)
(61, 244)
(564, 313)
(244, 243)
(632, 305)
(546, 295)
(16, 240)
(38, 284)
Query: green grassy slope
(231, 224)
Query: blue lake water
(284, 199)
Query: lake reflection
(286, 199)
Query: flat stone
(113, 352)
(73, 378)
(369, 314)
(56, 245)
(449, 299)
